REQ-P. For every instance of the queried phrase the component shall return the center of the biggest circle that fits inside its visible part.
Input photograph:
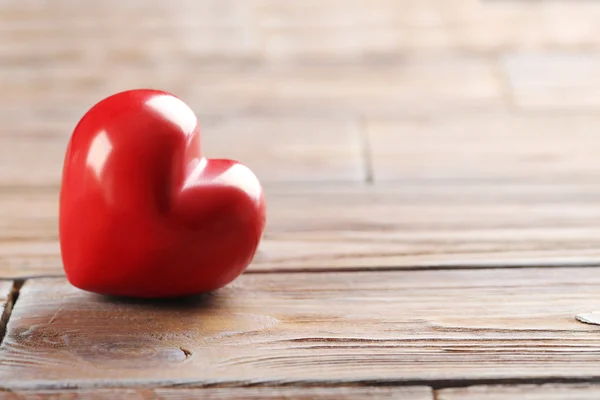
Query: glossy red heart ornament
(143, 213)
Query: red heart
(143, 213)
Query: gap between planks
(11, 300)
(376, 269)
(551, 391)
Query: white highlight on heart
(242, 177)
(194, 176)
(174, 110)
(100, 149)
(237, 175)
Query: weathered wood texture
(311, 328)
(316, 227)
(522, 392)
(481, 113)
(247, 393)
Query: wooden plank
(554, 80)
(59, 59)
(313, 31)
(427, 84)
(430, 226)
(275, 148)
(246, 393)
(371, 31)
(486, 147)
(316, 227)
(326, 328)
(383, 30)
(444, 83)
(67, 32)
(522, 392)
(496, 27)
(217, 56)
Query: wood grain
(413, 326)
(522, 392)
(247, 393)
(488, 147)
(330, 227)
(431, 226)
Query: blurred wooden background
(339, 90)
(433, 192)
(493, 96)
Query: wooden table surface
(433, 188)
